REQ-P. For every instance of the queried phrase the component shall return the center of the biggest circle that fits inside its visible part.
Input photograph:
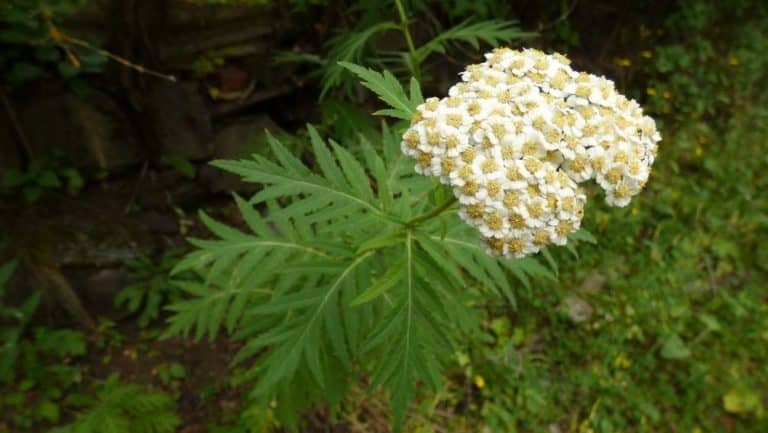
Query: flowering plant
(356, 265)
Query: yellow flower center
(493, 187)
(476, 210)
(516, 246)
(494, 221)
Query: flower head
(516, 136)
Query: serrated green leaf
(392, 276)
(354, 172)
(388, 239)
(325, 159)
(492, 32)
(349, 47)
(387, 88)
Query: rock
(163, 188)
(577, 308)
(101, 289)
(555, 428)
(84, 231)
(234, 84)
(235, 141)
(593, 283)
(198, 28)
(158, 222)
(244, 137)
(199, 14)
(103, 245)
(179, 116)
(91, 132)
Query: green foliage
(182, 165)
(26, 24)
(32, 362)
(359, 45)
(458, 9)
(126, 408)
(172, 374)
(14, 321)
(661, 325)
(343, 270)
(31, 353)
(702, 77)
(490, 32)
(388, 89)
(152, 288)
(348, 47)
(48, 173)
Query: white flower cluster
(518, 134)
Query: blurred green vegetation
(34, 47)
(662, 325)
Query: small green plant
(152, 288)
(183, 166)
(125, 408)
(13, 323)
(171, 374)
(34, 362)
(26, 24)
(49, 173)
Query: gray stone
(179, 116)
(101, 289)
(200, 15)
(237, 140)
(577, 308)
(91, 132)
(244, 137)
(593, 283)
(158, 222)
(555, 428)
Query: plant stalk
(414, 62)
(431, 214)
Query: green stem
(431, 214)
(413, 64)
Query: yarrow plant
(516, 137)
(355, 265)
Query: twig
(63, 39)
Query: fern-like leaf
(290, 177)
(348, 47)
(127, 408)
(491, 32)
(461, 247)
(387, 87)
(332, 278)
